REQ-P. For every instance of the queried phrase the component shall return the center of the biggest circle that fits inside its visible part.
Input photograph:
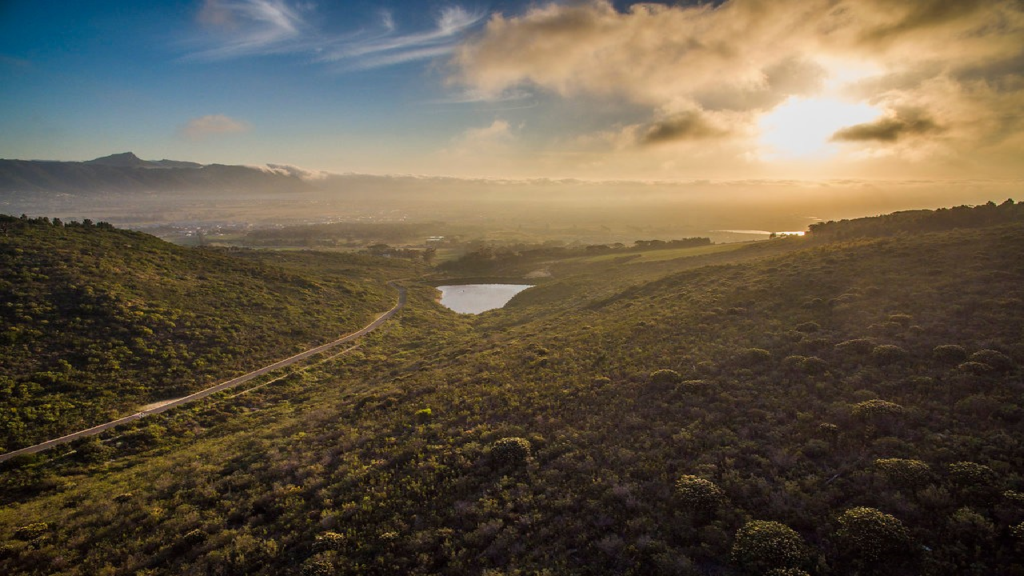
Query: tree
(868, 536)
(903, 473)
(763, 545)
(698, 494)
(511, 451)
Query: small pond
(477, 298)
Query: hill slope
(95, 321)
(862, 399)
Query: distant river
(477, 298)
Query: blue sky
(587, 88)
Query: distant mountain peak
(124, 159)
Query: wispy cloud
(204, 127)
(247, 27)
(391, 47)
(243, 28)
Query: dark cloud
(684, 126)
(889, 129)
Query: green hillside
(96, 321)
(796, 407)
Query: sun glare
(801, 127)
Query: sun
(802, 127)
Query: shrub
(755, 357)
(511, 451)
(975, 368)
(665, 378)
(194, 537)
(31, 531)
(876, 409)
(696, 493)
(329, 541)
(949, 354)
(808, 327)
(814, 365)
(971, 475)
(868, 535)
(858, 346)
(904, 473)
(997, 360)
(763, 545)
(889, 354)
(423, 416)
(901, 319)
(1018, 535)
(969, 527)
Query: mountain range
(126, 172)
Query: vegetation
(558, 438)
(95, 321)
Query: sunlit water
(477, 298)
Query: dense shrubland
(95, 321)
(843, 408)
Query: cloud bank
(949, 72)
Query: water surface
(477, 298)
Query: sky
(591, 89)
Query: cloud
(241, 28)
(890, 128)
(246, 27)
(389, 47)
(295, 171)
(957, 59)
(205, 127)
(689, 125)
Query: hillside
(826, 408)
(96, 321)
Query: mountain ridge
(126, 172)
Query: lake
(477, 298)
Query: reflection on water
(477, 298)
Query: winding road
(219, 387)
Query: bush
(511, 451)
(755, 357)
(664, 378)
(194, 537)
(808, 327)
(867, 535)
(971, 475)
(1018, 535)
(329, 541)
(31, 531)
(889, 354)
(858, 347)
(975, 368)
(904, 473)
(875, 409)
(949, 354)
(698, 494)
(997, 360)
(763, 545)
(423, 416)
